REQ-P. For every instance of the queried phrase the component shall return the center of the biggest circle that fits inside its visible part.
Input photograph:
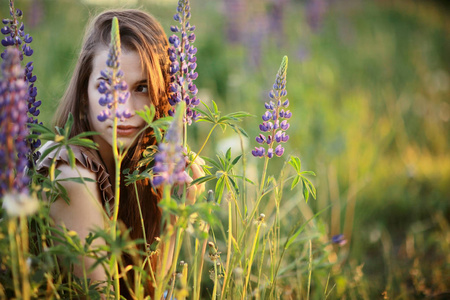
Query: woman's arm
(82, 215)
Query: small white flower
(21, 204)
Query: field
(369, 88)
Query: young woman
(145, 64)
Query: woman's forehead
(130, 64)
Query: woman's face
(136, 79)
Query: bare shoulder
(69, 172)
(84, 211)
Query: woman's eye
(142, 89)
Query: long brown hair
(139, 32)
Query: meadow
(368, 84)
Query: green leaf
(238, 130)
(298, 231)
(40, 128)
(216, 111)
(71, 156)
(212, 162)
(228, 155)
(295, 182)
(305, 192)
(296, 163)
(83, 142)
(50, 149)
(87, 133)
(308, 173)
(210, 111)
(235, 161)
(220, 185)
(203, 179)
(309, 186)
(77, 179)
(234, 185)
(68, 125)
(147, 114)
(242, 177)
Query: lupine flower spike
(170, 163)
(13, 133)
(275, 119)
(183, 63)
(14, 32)
(113, 88)
(16, 37)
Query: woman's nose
(126, 108)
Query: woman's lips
(126, 130)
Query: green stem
(216, 280)
(118, 162)
(204, 143)
(86, 290)
(24, 269)
(140, 212)
(12, 227)
(250, 262)
(230, 238)
(166, 247)
(309, 269)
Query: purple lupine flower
(14, 32)
(275, 118)
(170, 162)
(15, 36)
(13, 125)
(339, 239)
(183, 63)
(113, 88)
(315, 11)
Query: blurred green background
(369, 87)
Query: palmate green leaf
(59, 130)
(295, 182)
(237, 116)
(49, 149)
(71, 156)
(239, 130)
(83, 142)
(234, 185)
(204, 116)
(234, 162)
(85, 134)
(63, 193)
(305, 191)
(296, 163)
(203, 179)
(40, 128)
(147, 114)
(159, 126)
(309, 186)
(222, 162)
(308, 173)
(216, 110)
(77, 179)
(242, 177)
(67, 127)
(220, 186)
(212, 162)
(228, 154)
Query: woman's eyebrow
(101, 78)
(142, 81)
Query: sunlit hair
(139, 32)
